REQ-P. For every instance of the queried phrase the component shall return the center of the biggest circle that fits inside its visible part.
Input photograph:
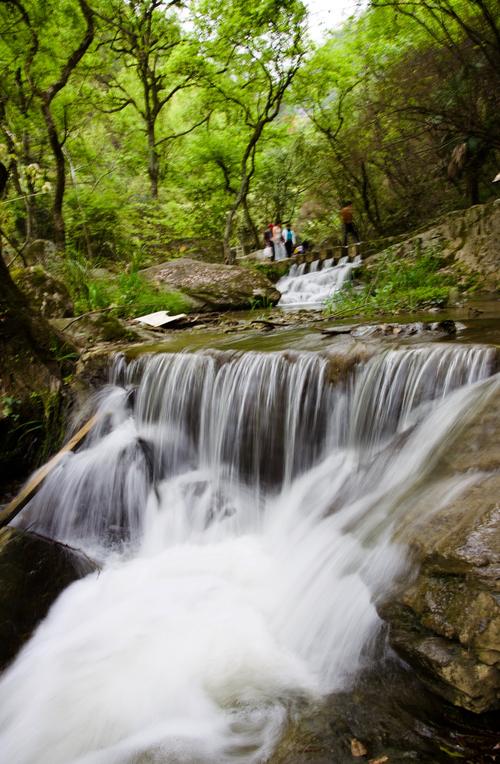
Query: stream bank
(412, 622)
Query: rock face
(214, 287)
(33, 572)
(446, 624)
(39, 251)
(467, 238)
(46, 294)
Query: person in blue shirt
(289, 238)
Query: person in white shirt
(279, 246)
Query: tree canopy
(133, 125)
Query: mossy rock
(446, 623)
(46, 294)
(88, 330)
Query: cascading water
(310, 290)
(243, 507)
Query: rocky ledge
(446, 623)
(210, 286)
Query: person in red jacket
(346, 214)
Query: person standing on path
(346, 214)
(289, 237)
(279, 247)
(268, 244)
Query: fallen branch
(32, 486)
(89, 313)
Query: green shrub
(126, 295)
(96, 224)
(394, 286)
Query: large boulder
(33, 572)
(46, 294)
(212, 286)
(446, 623)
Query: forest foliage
(130, 128)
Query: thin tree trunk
(153, 161)
(57, 208)
(240, 197)
(228, 228)
(250, 224)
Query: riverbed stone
(212, 286)
(446, 623)
(33, 571)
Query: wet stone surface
(33, 571)
(391, 715)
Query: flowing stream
(310, 290)
(243, 507)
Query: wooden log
(32, 486)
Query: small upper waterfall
(300, 289)
(244, 508)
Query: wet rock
(46, 294)
(447, 326)
(446, 624)
(33, 572)
(357, 748)
(395, 716)
(212, 286)
(335, 330)
(433, 330)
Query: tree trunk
(250, 225)
(228, 229)
(55, 144)
(31, 382)
(19, 324)
(153, 161)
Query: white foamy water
(244, 509)
(310, 290)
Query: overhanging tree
(252, 54)
(47, 75)
(148, 38)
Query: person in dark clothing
(289, 237)
(346, 214)
(4, 174)
(269, 243)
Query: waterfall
(299, 289)
(243, 507)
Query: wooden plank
(160, 318)
(32, 486)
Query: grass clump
(126, 295)
(395, 285)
